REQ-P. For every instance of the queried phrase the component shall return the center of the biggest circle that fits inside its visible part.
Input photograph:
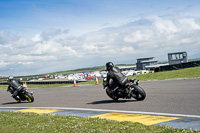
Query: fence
(45, 82)
(180, 66)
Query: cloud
(71, 52)
(7, 37)
(164, 25)
(56, 50)
(37, 38)
(128, 49)
(138, 36)
(189, 24)
(3, 64)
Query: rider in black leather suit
(118, 78)
(14, 87)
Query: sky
(43, 36)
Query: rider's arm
(9, 88)
(108, 78)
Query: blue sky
(54, 35)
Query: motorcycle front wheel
(138, 93)
(111, 95)
(29, 97)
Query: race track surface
(172, 103)
(169, 96)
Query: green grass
(3, 86)
(193, 72)
(17, 122)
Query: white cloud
(55, 49)
(25, 63)
(37, 38)
(189, 24)
(166, 26)
(3, 64)
(71, 52)
(138, 36)
(128, 50)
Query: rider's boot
(14, 95)
(17, 99)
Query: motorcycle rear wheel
(29, 97)
(138, 93)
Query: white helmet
(10, 77)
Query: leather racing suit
(14, 87)
(118, 78)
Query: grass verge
(193, 72)
(17, 122)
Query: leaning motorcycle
(23, 94)
(131, 90)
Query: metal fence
(45, 82)
(180, 66)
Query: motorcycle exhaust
(130, 91)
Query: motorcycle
(131, 90)
(22, 94)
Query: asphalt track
(178, 99)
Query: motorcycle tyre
(141, 95)
(115, 98)
(29, 97)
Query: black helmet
(109, 65)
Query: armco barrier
(3, 83)
(180, 66)
(46, 82)
(49, 82)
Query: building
(177, 58)
(126, 68)
(143, 62)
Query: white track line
(118, 111)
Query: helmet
(109, 65)
(10, 77)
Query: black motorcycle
(22, 94)
(130, 90)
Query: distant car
(137, 73)
(32, 79)
(89, 77)
(40, 78)
(46, 79)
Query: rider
(14, 87)
(118, 78)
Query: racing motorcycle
(22, 94)
(131, 90)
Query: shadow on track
(111, 101)
(13, 103)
